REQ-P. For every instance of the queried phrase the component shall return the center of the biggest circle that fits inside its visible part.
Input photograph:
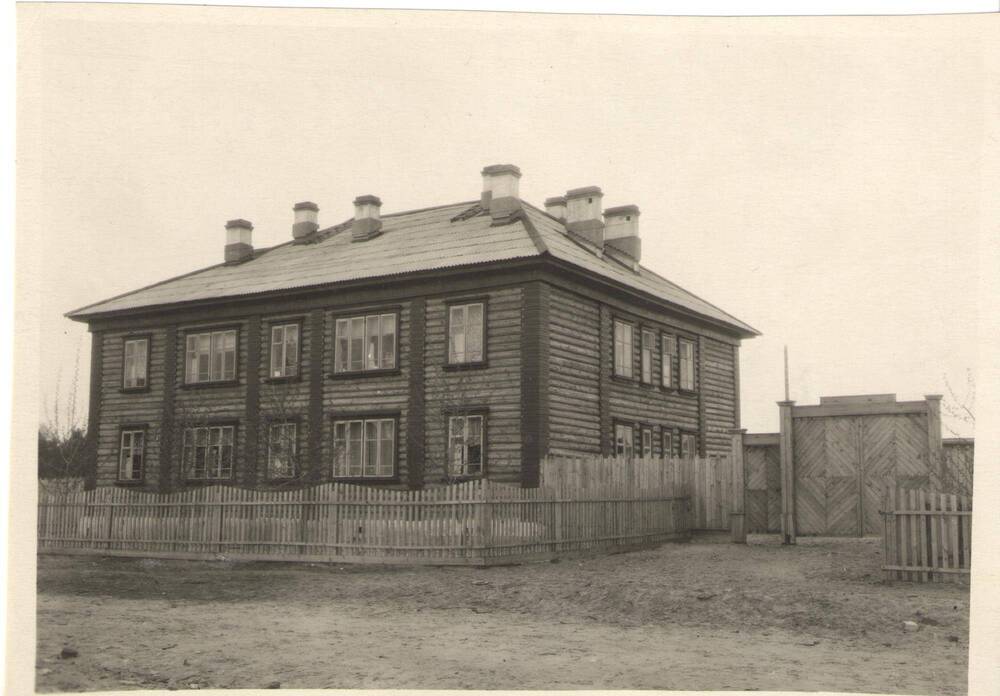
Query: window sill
(210, 385)
(462, 479)
(365, 373)
(368, 480)
(282, 380)
(458, 367)
(131, 483)
(133, 390)
(209, 482)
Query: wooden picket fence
(582, 506)
(927, 536)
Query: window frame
(209, 425)
(644, 430)
(667, 434)
(126, 339)
(615, 321)
(682, 434)
(682, 341)
(132, 428)
(297, 448)
(667, 359)
(363, 314)
(481, 412)
(646, 356)
(465, 301)
(271, 325)
(626, 425)
(364, 417)
(200, 330)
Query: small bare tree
(956, 466)
(283, 445)
(63, 446)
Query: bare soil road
(684, 616)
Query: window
(687, 364)
(668, 346)
(366, 343)
(131, 455)
(648, 345)
(136, 362)
(364, 448)
(623, 349)
(284, 351)
(465, 333)
(668, 444)
(211, 357)
(465, 445)
(647, 443)
(624, 446)
(689, 445)
(208, 452)
(282, 448)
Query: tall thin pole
(786, 373)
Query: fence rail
(582, 505)
(927, 536)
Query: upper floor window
(689, 445)
(282, 450)
(623, 349)
(466, 445)
(364, 448)
(211, 357)
(131, 454)
(465, 333)
(366, 343)
(648, 346)
(208, 452)
(136, 363)
(624, 440)
(687, 364)
(284, 350)
(668, 347)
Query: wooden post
(936, 465)
(737, 514)
(787, 472)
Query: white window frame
(668, 348)
(645, 442)
(461, 444)
(624, 442)
(667, 443)
(128, 452)
(686, 351)
(353, 457)
(222, 348)
(463, 335)
(219, 445)
(134, 370)
(356, 353)
(624, 347)
(286, 349)
(282, 449)
(648, 345)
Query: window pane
(291, 349)
(277, 351)
(340, 449)
(387, 448)
(388, 340)
(372, 335)
(456, 334)
(474, 333)
(371, 447)
(357, 343)
(204, 357)
(141, 357)
(343, 342)
(456, 444)
(474, 444)
(355, 448)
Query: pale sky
(818, 178)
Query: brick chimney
(583, 214)
(306, 220)
(367, 221)
(239, 241)
(556, 207)
(500, 190)
(621, 230)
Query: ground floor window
(624, 440)
(689, 445)
(646, 443)
(282, 450)
(466, 444)
(132, 453)
(668, 443)
(208, 452)
(364, 448)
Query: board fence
(927, 536)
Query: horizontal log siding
(118, 408)
(632, 401)
(201, 404)
(718, 389)
(496, 387)
(574, 373)
(366, 394)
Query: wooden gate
(847, 453)
(762, 464)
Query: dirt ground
(712, 616)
